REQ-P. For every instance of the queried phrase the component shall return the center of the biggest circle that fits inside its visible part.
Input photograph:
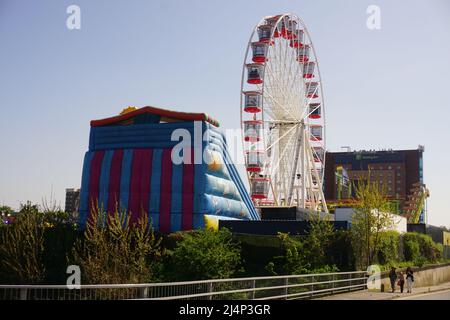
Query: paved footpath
(441, 292)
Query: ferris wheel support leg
(304, 159)
(273, 192)
(321, 196)
(294, 168)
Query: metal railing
(259, 288)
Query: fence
(259, 288)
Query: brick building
(397, 170)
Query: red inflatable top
(161, 115)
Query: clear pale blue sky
(387, 88)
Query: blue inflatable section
(130, 167)
(216, 141)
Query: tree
(318, 240)
(370, 219)
(5, 210)
(113, 251)
(203, 254)
(53, 214)
(22, 246)
(294, 259)
(60, 236)
(411, 247)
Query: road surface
(437, 292)
(440, 295)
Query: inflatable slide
(129, 167)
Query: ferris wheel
(282, 116)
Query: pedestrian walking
(409, 279)
(393, 278)
(401, 281)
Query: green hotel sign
(365, 157)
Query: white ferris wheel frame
(303, 125)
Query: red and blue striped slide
(129, 168)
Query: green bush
(318, 240)
(270, 269)
(388, 247)
(439, 247)
(112, 251)
(325, 269)
(420, 261)
(426, 247)
(411, 247)
(203, 254)
(429, 249)
(297, 257)
(418, 247)
(294, 258)
(398, 265)
(22, 248)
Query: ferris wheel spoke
(277, 69)
(296, 78)
(293, 172)
(310, 111)
(272, 106)
(307, 100)
(295, 95)
(292, 72)
(315, 171)
(275, 86)
(284, 104)
(282, 154)
(279, 138)
(286, 70)
(276, 108)
(270, 87)
(287, 63)
(274, 169)
(278, 104)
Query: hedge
(420, 246)
(389, 247)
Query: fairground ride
(282, 116)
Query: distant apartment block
(400, 171)
(72, 200)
